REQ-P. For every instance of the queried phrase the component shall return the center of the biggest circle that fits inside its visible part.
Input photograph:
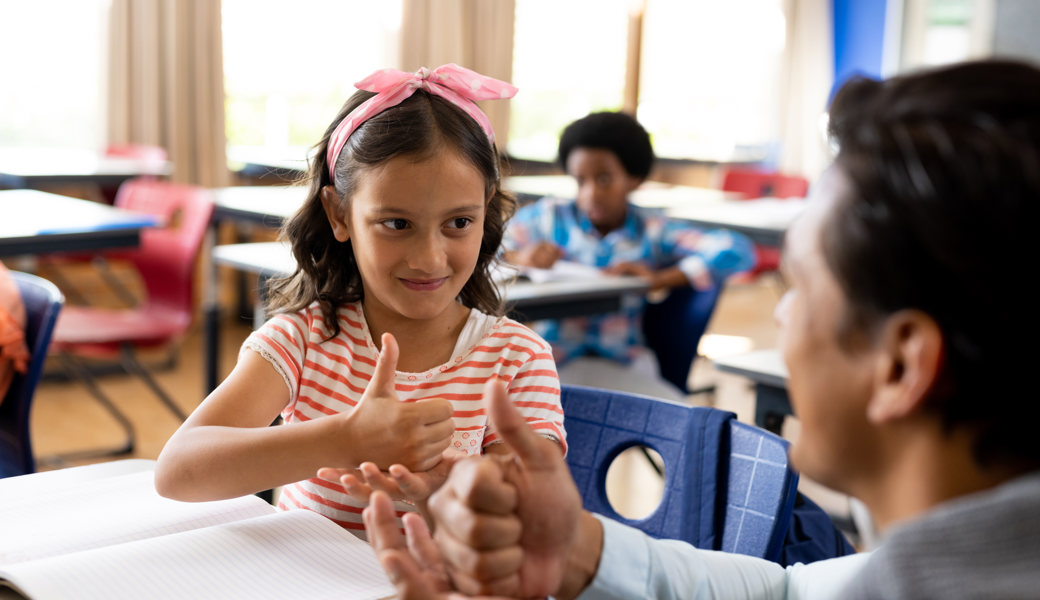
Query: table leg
(772, 405)
(211, 341)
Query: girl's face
(416, 228)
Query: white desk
(36, 167)
(766, 369)
(38, 222)
(650, 193)
(267, 205)
(764, 220)
(528, 301)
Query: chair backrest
(673, 328)
(759, 184)
(728, 485)
(166, 256)
(43, 302)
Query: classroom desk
(267, 205)
(763, 220)
(38, 222)
(528, 301)
(39, 167)
(766, 369)
(650, 194)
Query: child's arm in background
(226, 447)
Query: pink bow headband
(458, 85)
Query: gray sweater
(986, 545)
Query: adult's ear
(330, 201)
(909, 360)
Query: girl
(390, 325)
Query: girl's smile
(422, 285)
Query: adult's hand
(414, 566)
(475, 523)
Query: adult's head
(912, 260)
(609, 155)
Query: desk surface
(31, 167)
(649, 194)
(761, 366)
(37, 222)
(265, 204)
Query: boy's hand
(383, 430)
(542, 255)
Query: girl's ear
(330, 201)
(909, 363)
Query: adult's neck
(927, 467)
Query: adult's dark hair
(419, 127)
(941, 216)
(615, 131)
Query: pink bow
(458, 85)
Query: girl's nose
(428, 254)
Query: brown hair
(422, 124)
(940, 216)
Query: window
(54, 82)
(288, 68)
(568, 60)
(709, 77)
(708, 73)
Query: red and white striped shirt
(327, 378)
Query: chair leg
(132, 365)
(83, 374)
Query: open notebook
(115, 537)
(562, 270)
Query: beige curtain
(166, 84)
(476, 34)
(806, 79)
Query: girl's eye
(395, 224)
(460, 222)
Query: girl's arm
(226, 448)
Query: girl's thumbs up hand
(385, 431)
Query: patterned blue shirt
(707, 258)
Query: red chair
(761, 184)
(57, 264)
(165, 261)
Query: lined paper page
(291, 554)
(90, 514)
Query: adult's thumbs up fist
(386, 431)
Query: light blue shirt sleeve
(634, 565)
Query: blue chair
(673, 328)
(43, 302)
(728, 485)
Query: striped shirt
(326, 378)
